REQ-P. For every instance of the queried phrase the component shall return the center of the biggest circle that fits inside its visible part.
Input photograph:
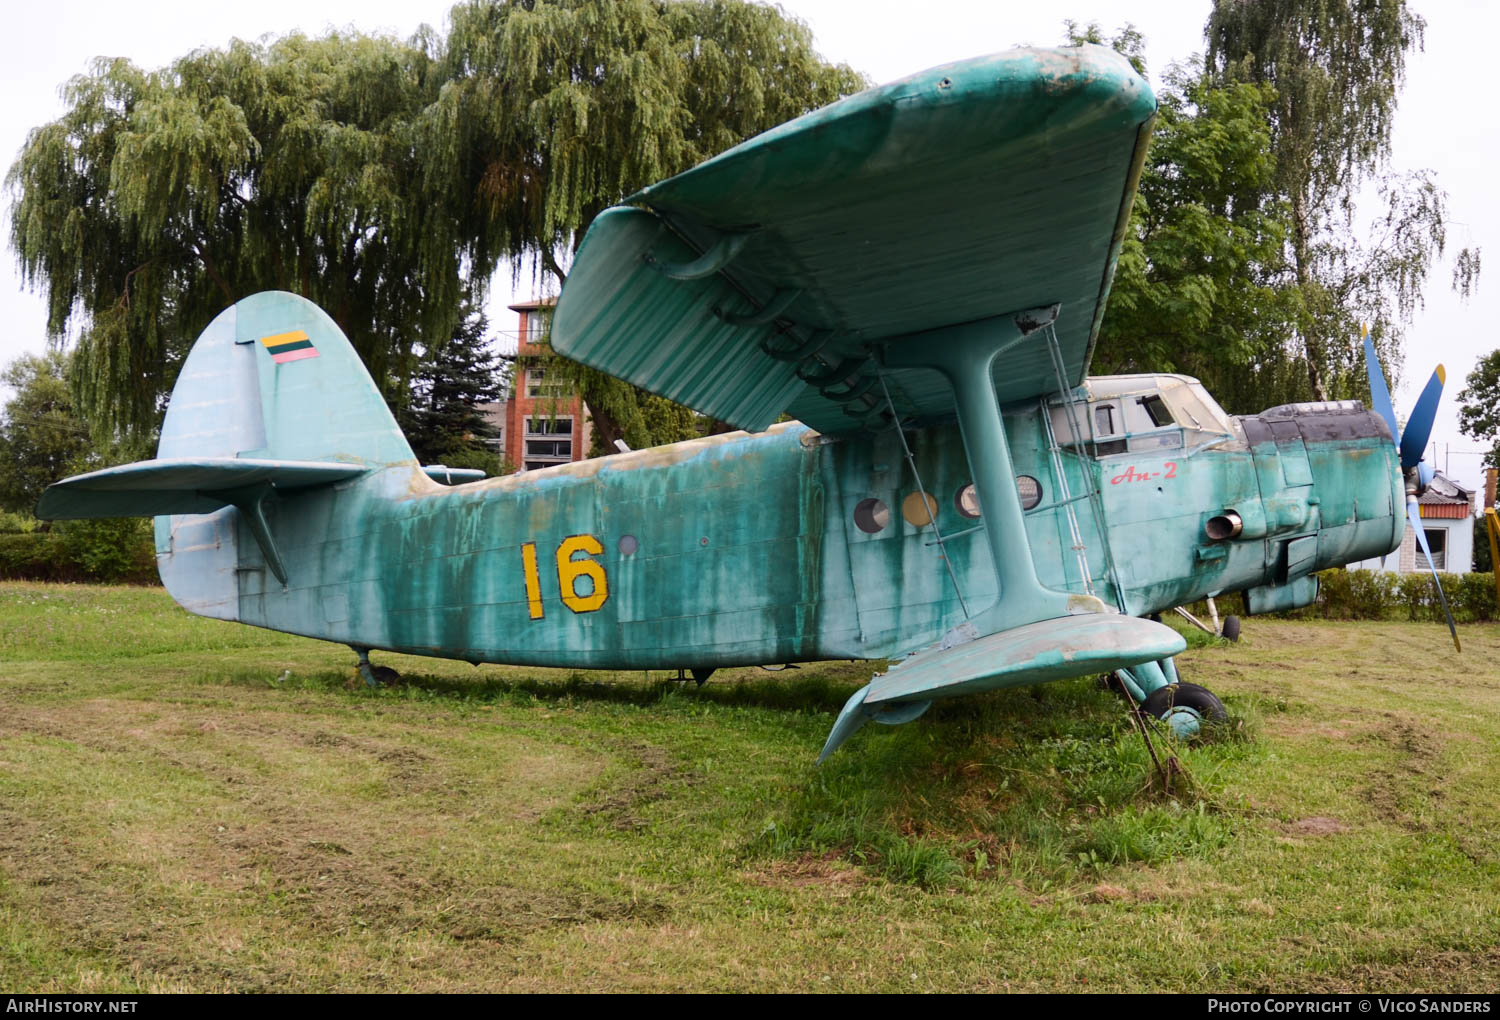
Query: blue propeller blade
(1411, 444)
(1419, 425)
(1413, 514)
(1380, 393)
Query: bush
(1371, 592)
(32, 557)
(1414, 591)
(115, 550)
(1476, 598)
(17, 524)
(1381, 595)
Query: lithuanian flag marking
(293, 346)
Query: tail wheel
(1231, 628)
(1184, 707)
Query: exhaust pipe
(1226, 525)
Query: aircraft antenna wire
(927, 500)
(1070, 404)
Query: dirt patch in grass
(285, 822)
(650, 780)
(1315, 826)
(826, 870)
(1414, 770)
(1413, 972)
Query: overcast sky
(1445, 123)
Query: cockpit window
(1138, 413)
(1156, 408)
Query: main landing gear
(374, 676)
(1157, 691)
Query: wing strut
(965, 356)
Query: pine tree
(445, 421)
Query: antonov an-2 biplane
(916, 275)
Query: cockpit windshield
(1132, 413)
(1193, 406)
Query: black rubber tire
(1231, 628)
(1202, 700)
(384, 675)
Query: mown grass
(189, 805)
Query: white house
(1447, 510)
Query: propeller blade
(1413, 514)
(1380, 393)
(1419, 425)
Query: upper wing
(766, 280)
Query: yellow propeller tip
(1442, 375)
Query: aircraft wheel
(1184, 707)
(1231, 628)
(383, 675)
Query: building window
(548, 440)
(1437, 541)
(536, 327)
(540, 385)
(562, 425)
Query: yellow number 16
(569, 570)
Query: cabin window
(1030, 491)
(966, 501)
(919, 509)
(1104, 420)
(871, 516)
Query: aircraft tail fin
(272, 399)
(274, 378)
(271, 395)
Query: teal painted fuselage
(790, 546)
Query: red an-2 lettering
(1130, 474)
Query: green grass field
(192, 805)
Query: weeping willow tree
(385, 180)
(1337, 67)
(160, 197)
(564, 107)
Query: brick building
(544, 421)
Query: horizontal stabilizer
(150, 488)
(450, 475)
